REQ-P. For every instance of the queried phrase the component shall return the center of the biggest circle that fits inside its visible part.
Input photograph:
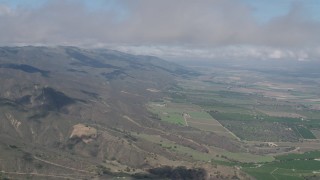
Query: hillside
(67, 112)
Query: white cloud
(183, 28)
(276, 54)
(5, 10)
(220, 53)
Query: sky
(172, 29)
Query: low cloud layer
(205, 28)
(224, 53)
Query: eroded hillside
(71, 113)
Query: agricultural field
(167, 113)
(239, 114)
(188, 115)
(254, 107)
(272, 117)
(291, 166)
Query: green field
(291, 166)
(250, 117)
(198, 118)
(199, 115)
(169, 114)
(247, 157)
(229, 120)
(228, 107)
(307, 155)
(255, 117)
(305, 133)
(284, 170)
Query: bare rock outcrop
(84, 132)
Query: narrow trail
(185, 119)
(158, 130)
(271, 173)
(192, 122)
(59, 165)
(61, 176)
(104, 129)
(163, 132)
(228, 131)
(218, 124)
(298, 132)
(131, 120)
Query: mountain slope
(66, 110)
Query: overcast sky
(177, 29)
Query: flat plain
(273, 117)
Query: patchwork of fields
(189, 115)
(292, 166)
(254, 114)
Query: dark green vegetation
(292, 166)
(305, 156)
(304, 132)
(179, 173)
(250, 117)
(25, 68)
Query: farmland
(239, 102)
(292, 166)
(274, 120)
(238, 112)
(188, 115)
